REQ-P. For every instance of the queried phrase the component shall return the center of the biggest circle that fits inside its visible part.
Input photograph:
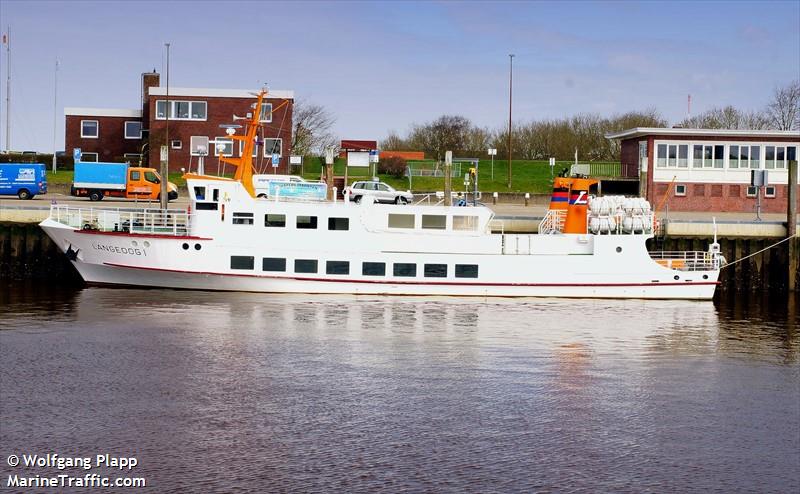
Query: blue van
(23, 180)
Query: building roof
(102, 112)
(646, 131)
(218, 93)
(358, 145)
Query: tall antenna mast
(55, 113)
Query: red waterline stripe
(380, 282)
(142, 235)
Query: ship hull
(150, 261)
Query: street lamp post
(165, 152)
(510, 89)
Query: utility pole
(7, 42)
(791, 225)
(55, 113)
(165, 159)
(510, 90)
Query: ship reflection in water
(220, 392)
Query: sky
(382, 66)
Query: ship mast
(244, 163)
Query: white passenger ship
(231, 240)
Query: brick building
(196, 117)
(709, 169)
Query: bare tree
(311, 129)
(783, 113)
(393, 142)
(728, 117)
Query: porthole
(619, 249)
(677, 277)
(134, 243)
(197, 247)
(146, 243)
(185, 246)
(705, 276)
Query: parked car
(23, 180)
(380, 191)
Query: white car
(380, 191)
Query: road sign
(76, 154)
(276, 160)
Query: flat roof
(102, 112)
(646, 131)
(218, 93)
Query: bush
(394, 166)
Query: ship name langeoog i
(229, 239)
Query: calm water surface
(262, 393)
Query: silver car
(380, 191)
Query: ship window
(273, 264)
(373, 268)
(275, 220)
(305, 265)
(242, 262)
(206, 206)
(434, 221)
(405, 269)
(306, 222)
(401, 221)
(436, 270)
(465, 223)
(466, 270)
(90, 129)
(338, 223)
(242, 218)
(337, 267)
(199, 193)
(215, 195)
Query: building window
(255, 149)
(434, 222)
(273, 146)
(404, 270)
(401, 221)
(719, 156)
(306, 222)
(275, 220)
(752, 191)
(266, 113)
(642, 155)
(661, 159)
(680, 190)
(90, 129)
(339, 224)
(181, 110)
(198, 145)
(242, 262)
(223, 146)
(373, 268)
(133, 129)
(755, 157)
(305, 265)
(769, 191)
(733, 156)
(337, 267)
(436, 270)
(132, 157)
(89, 157)
(176, 144)
(697, 156)
(465, 223)
(791, 154)
(273, 264)
(683, 156)
(672, 155)
(242, 218)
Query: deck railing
(139, 221)
(553, 221)
(690, 260)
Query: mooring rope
(760, 251)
